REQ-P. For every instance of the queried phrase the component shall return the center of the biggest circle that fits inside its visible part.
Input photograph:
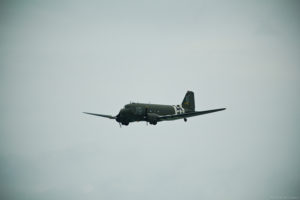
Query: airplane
(154, 113)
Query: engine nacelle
(152, 118)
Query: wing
(100, 115)
(189, 114)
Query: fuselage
(137, 111)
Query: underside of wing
(100, 115)
(189, 114)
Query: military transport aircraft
(153, 113)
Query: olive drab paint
(153, 113)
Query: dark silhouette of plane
(153, 113)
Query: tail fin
(188, 102)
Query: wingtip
(86, 113)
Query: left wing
(100, 115)
(186, 115)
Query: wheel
(185, 119)
(125, 123)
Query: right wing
(186, 115)
(100, 115)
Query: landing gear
(185, 119)
(152, 123)
(125, 123)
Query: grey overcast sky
(60, 58)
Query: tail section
(188, 102)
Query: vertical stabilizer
(188, 102)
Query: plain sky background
(60, 58)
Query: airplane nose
(122, 111)
(122, 114)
